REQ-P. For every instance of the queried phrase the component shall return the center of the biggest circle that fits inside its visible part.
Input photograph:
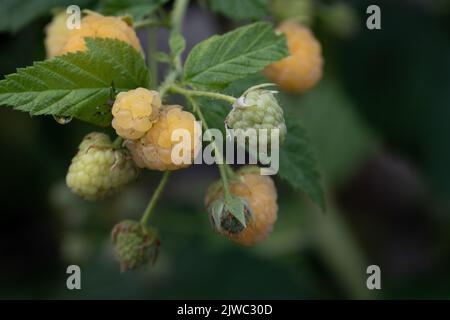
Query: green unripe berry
(257, 109)
(134, 244)
(99, 169)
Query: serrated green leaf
(298, 165)
(220, 60)
(237, 88)
(77, 84)
(138, 9)
(16, 14)
(342, 139)
(240, 10)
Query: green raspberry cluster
(99, 168)
(257, 109)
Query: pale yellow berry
(99, 169)
(57, 34)
(260, 194)
(134, 112)
(303, 68)
(95, 25)
(154, 149)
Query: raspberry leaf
(220, 60)
(162, 57)
(77, 84)
(240, 10)
(177, 43)
(298, 165)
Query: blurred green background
(378, 122)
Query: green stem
(178, 12)
(222, 165)
(193, 93)
(230, 171)
(339, 249)
(151, 49)
(155, 197)
(150, 22)
(224, 177)
(176, 21)
(168, 82)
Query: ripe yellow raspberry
(95, 25)
(260, 195)
(135, 112)
(154, 149)
(303, 68)
(57, 34)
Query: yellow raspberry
(154, 149)
(303, 68)
(260, 194)
(57, 34)
(135, 112)
(97, 26)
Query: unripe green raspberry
(257, 109)
(99, 168)
(134, 244)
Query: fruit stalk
(151, 49)
(223, 167)
(155, 197)
(176, 22)
(194, 93)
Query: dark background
(379, 123)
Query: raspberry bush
(100, 74)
